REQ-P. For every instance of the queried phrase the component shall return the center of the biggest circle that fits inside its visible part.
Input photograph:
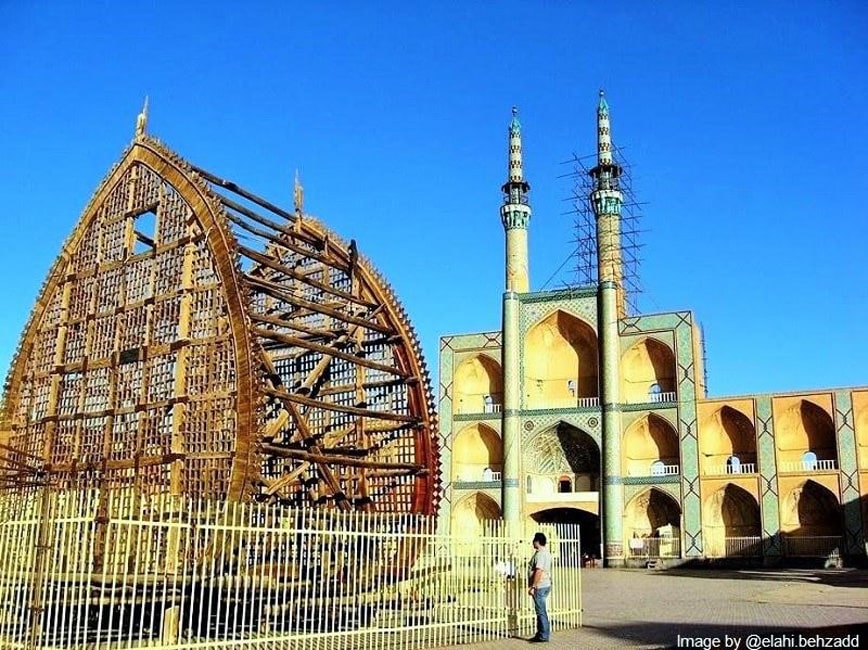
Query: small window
(565, 485)
(144, 232)
(809, 460)
(658, 468)
(529, 484)
(655, 393)
(733, 465)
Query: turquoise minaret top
(515, 211)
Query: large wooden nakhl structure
(193, 339)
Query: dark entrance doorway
(589, 525)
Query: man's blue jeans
(543, 627)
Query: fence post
(512, 605)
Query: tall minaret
(515, 214)
(606, 202)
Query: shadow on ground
(832, 577)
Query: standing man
(539, 585)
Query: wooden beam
(125, 463)
(304, 430)
(280, 241)
(282, 293)
(343, 408)
(325, 349)
(287, 479)
(295, 275)
(385, 383)
(280, 322)
(417, 470)
(240, 191)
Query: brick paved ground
(649, 609)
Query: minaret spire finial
(298, 195)
(142, 120)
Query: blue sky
(745, 124)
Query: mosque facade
(578, 411)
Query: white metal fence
(83, 571)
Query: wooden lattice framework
(194, 339)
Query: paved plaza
(650, 609)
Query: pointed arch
(478, 385)
(647, 371)
(560, 361)
(650, 443)
(476, 448)
(470, 515)
(728, 442)
(563, 452)
(731, 522)
(652, 513)
(812, 510)
(805, 427)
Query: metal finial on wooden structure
(298, 195)
(142, 120)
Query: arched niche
(647, 372)
(563, 452)
(728, 443)
(478, 385)
(650, 443)
(731, 523)
(475, 449)
(652, 513)
(560, 362)
(811, 510)
(470, 515)
(801, 428)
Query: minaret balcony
(516, 198)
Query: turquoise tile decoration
(771, 521)
(854, 540)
